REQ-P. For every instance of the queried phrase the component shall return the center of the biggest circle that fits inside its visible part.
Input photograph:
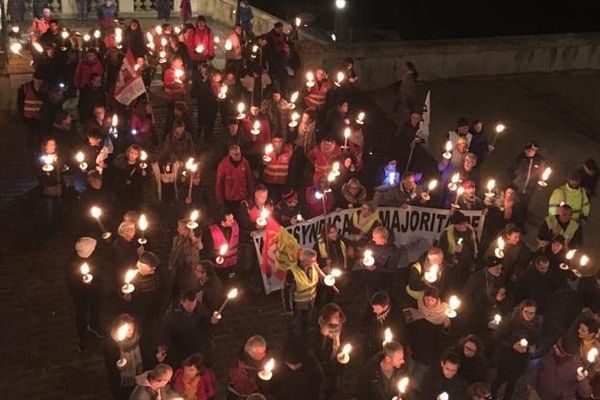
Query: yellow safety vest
(306, 285)
(415, 294)
(323, 249)
(556, 229)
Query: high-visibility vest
(276, 170)
(557, 229)
(317, 95)
(452, 239)
(325, 254)
(32, 105)
(231, 256)
(576, 198)
(415, 294)
(306, 285)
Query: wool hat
(575, 176)
(150, 259)
(85, 246)
(533, 145)
(462, 122)
(458, 218)
(493, 261)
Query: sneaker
(95, 332)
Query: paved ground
(37, 336)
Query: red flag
(129, 84)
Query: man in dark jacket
(186, 329)
(379, 378)
(444, 378)
(84, 284)
(526, 171)
(299, 376)
(385, 254)
(536, 284)
(382, 315)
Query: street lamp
(339, 6)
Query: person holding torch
(222, 246)
(328, 346)
(86, 293)
(243, 378)
(379, 378)
(379, 275)
(174, 86)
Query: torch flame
(387, 335)
(592, 355)
(347, 349)
(347, 132)
(500, 128)
(143, 222)
(143, 156)
(310, 76)
(122, 332)
(96, 212)
(130, 274)
(403, 385)
(115, 120)
(80, 157)
(228, 45)
(340, 77)
(269, 365)
(232, 294)
(223, 249)
(491, 184)
(448, 146)
(432, 185)
(294, 97)
(189, 163)
(268, 148)
(38, 47)
(97, 34)
(501, 243)
(199, 48)
(85, 268)
(454, 303)
(584, 260)
(194, 215)
(570, 254)
(240, 108)
(546, 173)
(455, 178)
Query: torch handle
(323, 275)
(223, 305)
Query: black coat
(374, 385)
(374, 329)
(437, 383)
(186, 333)
(301, 384)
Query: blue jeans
(82, 10)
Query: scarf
(436, 315)
(129, 350)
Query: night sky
(421, 19)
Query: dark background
(429, 19)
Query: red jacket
(317, 95)
(206, 389)
(276, 170)
(322, 158)
(315, 206)
(174, 88)
(233, 183)
(230, 258)
(258, 141)
(202, 37)
(84, 72)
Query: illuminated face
(229, 221)
(183, 230)
(309, 262)
(91, 57)
(378, 309)
(133, 155)
(320, 75)
(179, 132)
(530, 153)
(556, 247)
(276, 97)
(435, 258)
(430, 302)
(257, 352)
(379, 239)
(145, 269)
(365, 210)
(398, 359)
(478, 127)
(260, 197)
(584, 332)
(50, 147)
(254, 111)
(277, 144)
(343, 107)
(509, 194)
(469, 163)
(574, 184)
(529, 313)
(190, 371)
(99, 113)
(177, 63)
(564, 214)
(332, 233)
(409, 183)
(94, 141)
(542, 266)
(415, 119)
(514, 238)
(200, 24)
(449, 369)
(463, 130)
(462, 147)
(470, 349)
(163, 380)
(200, 273)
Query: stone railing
(380, 64)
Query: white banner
(406, 224)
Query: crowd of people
(289, 147)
